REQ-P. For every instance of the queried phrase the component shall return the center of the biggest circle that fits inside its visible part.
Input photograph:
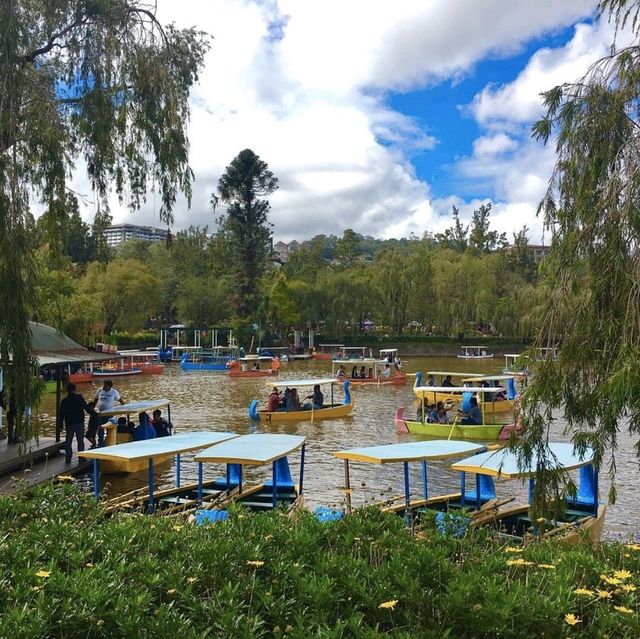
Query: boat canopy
(253, 450)
(388, 350)
(295, 383)
(504, 463)
(412, 451)
(135, 407)
(330, 345)
(360, 360)
(159, 446)
(458, 374)
(465, 348)
(255, 358)
(459, 389)
(488, 378)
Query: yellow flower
(547, 566)
(43, 573)
(613, 581)
(171, 591)
(513, 549)
(391, 604)
(622, 574)
(628, 587)
(627, 611)
(604, 594)
(572, 620)
(176, 528)
(519, 562)
(192, 579)
(583, 591)
(633, 546)
(256, 563)
(65, 478)
(100, 622)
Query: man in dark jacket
(71, 414)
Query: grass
(68, 571)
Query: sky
(380, 116)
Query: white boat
(475, 352)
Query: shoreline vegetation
(78, 573)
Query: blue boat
(216, 362)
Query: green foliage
(67, 571)
(245, 225)
(592, 310)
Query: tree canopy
(99, 86)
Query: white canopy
(295, 383)
(411, 451)
(458, 389)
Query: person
(370, 353)
(386, 373)
(342, 372)
(499, 396)
(363, 372)
(124, 427)
(432, 415)
(447, 382)
(431, 380)
(162, 427)
(370, 373)
(144, 430)
(106, 398)
(71, 414)
(256, 366)
(397, 362)
(441, 414)
(273, 403)
(293, 401)
(284, 399)
(473, 416)
(317, 399)
(8, 404)
(354, 372)
(94, 428)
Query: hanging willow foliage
(99, 80)
(593, 309)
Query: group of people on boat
(71, 415)
(363, 373)
(436, 413)
(290, 400)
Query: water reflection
(213, 401)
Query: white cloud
(304, 84)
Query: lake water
(213, 401)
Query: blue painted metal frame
(200, 483)
(275, 486)
(463, 477)
(302, 466)
(151, 504)
(96, 479)
(425, 490)
(178, 470)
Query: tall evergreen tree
(245, 224)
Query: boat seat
(175, 500)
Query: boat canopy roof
(360, 360)
(159, 446)
(458, 374)
(488, 378)
(412, 451)
(504, 463)
(255, 358)
(253, 450)
(516, 355)
(388, 350)
(294, 383)
(135, 407)
(458, 389)
(464, 348)
(340, 345)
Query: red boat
(238, 368)
(81, 377)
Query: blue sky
(380, 116)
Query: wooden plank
(15, 456)
(41, 472)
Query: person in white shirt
(106, 397)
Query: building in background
(118, 233)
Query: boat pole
(151, 507)
(407, 494)
(274, 494)
(302, 467)
(96, 478)
(347, 485)
(424, 480)
(462, 487)
(200, 483)
(178, 470)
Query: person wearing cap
(273, 403)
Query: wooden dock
(24, 466)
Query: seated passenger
(342, 372)
(293, 401)
(123, 427)
(432, 416)
(447, 383)
(386, 373)
(473, 416)
(284, 399)
(144, 430)
(370, 373)
(354, 372)
(363, 373)
(431, 381)
(256, 366)
(273, 403)
(317, 399)
(441, 414)
(162, 427)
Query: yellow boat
(581, 516)
(447, 394)
(332, 410)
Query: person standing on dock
(106, 398)
(8, 404)
(71, 414)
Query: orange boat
(144, 361)
(81, 377)
(236, 367)
(328, 351)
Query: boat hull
(80, 378)
(250, 374)
(489, 356)
(117, 372)
(333, 412)
(322, 356)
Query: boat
(146, 361)
(580, 516)
(242, 368)
(259, 449)
(354, 352)
(453, 393)
(492, 405)
(327, 351)
(283, 353)
(115, 371)
(516, 364)
(376, 368)
(488, 430)
(332, 410)
(474, 352)
(424, 452)
(113, 438)
(80, 376)
(215, 360)
(145, 455)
